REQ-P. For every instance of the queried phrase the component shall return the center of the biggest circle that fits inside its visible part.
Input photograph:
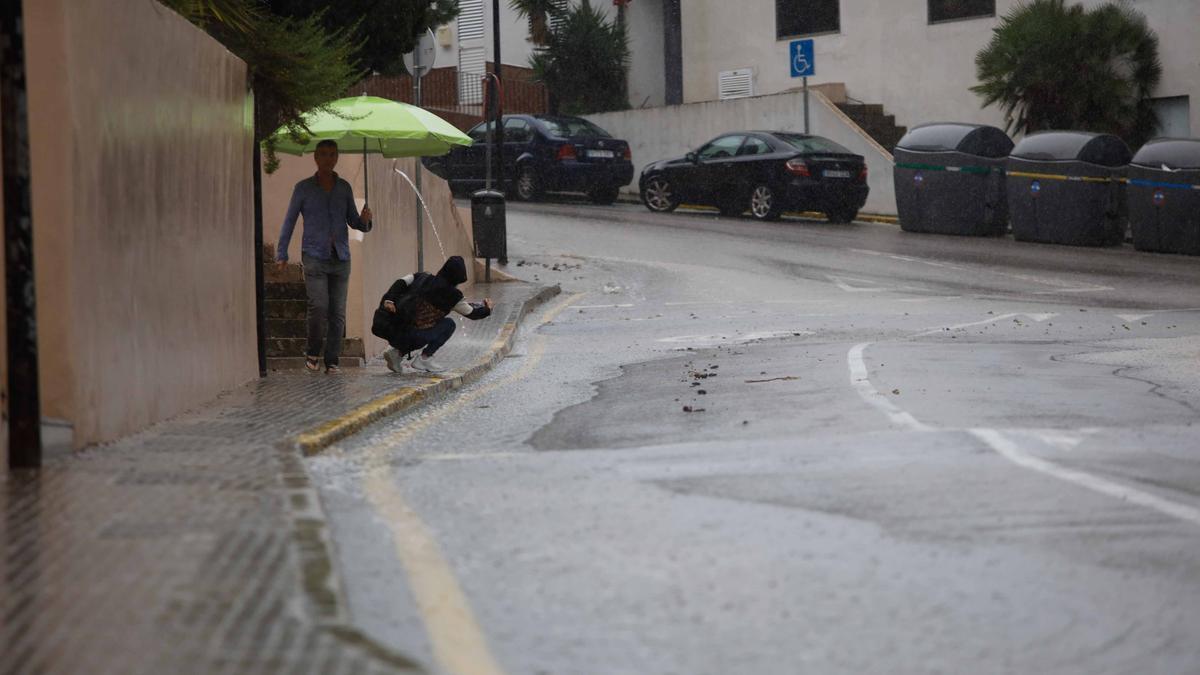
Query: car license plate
(837, 174)
(603, 154)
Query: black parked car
(765, 172)
(543, 153)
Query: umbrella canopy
(379, 126)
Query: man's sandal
(312, 364)
(332, 370)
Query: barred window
(804, 17)
(950, 10)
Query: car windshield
(814, 144)
(572, 127)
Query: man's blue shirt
(326, 215)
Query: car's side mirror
(692, 157)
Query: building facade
(916, 57)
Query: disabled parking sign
(801, 57)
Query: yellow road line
(459, 644)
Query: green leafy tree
(385, 30)
(295, 65)
(1054, 66)
(583, 64)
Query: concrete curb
(317, 439)
(861, 217)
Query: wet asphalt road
(905, 454)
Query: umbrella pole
(366, 183)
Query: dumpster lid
(1172, 153)
(972, 139)
(1083, 146)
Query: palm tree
(539, 13)
(1053, 66)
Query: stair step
(294, 347)
(286, 291)
(287, 328)
(287, 309)
(297, 362)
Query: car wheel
(844, 215)
(658, 195)
(763, 203)
(529, 185)
(605, 195)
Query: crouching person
(413, 314)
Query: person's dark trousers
(327, 282)
(431, 338)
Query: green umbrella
(386, 127)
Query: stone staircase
(870, 117)
(286, 309)
(873, 119)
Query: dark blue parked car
(543, 153)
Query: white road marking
(713, 340)
(1001, 444)
(1132, 317)
(843, 283)
(994, 319)
(860, 378)
(1061, 439)
(997, 441)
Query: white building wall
(887, 52)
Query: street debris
(786, 378)
(690, 409)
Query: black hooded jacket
(437, 292)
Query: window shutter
(556, 21)
(735, 84)
(470, 20)
(472, 63)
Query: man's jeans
(327, 282)
(431, 338)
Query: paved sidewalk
(199, 546)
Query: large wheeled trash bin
(950, 179)
(1164, 196)
(489, 224)
(1067, 187)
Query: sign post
(803, 65)
(419, 62)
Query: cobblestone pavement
(198, 546)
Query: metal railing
(446, 90)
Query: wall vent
(735, 83)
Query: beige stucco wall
(389, 250)
(143, 217)
(887, 52)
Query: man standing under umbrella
(327, 203)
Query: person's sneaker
(394, 360)
(427, 364)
